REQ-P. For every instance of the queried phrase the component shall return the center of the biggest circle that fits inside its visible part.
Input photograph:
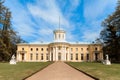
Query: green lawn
(20, 70)
(98, 70)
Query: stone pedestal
(107, 62)
(13, 61)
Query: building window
(36, 56)
(47, 56)
(41, 49)
(81, 56)
(47, 49)
(71, 56)
(22, 57)
(81, 49)
(87, 49)
(36, 49)
(76, 49)
(58, 47)
(96, 48)
(87, 56)
(23, 49)
(51, 48)
(41, 56)
(77, 56)
(31, 49)
(31, 56)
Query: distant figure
(13, 61)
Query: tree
(8, 37)
(110, 35)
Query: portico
(59, 51)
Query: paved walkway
(59, 71)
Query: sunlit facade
(59, 50)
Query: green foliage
(98, 70)
(111, 35)
(8, 37)
(20, 70)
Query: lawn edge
(36, 71)
(83, 72)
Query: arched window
(81, 49)
(41, 49)
(36, 49)
(96, 48)
(31, 49)
(23, 49)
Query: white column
(68, 56)
(50, 56)
(62, 53)
(65, 53)
(53, 54)
(56, 54)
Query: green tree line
(110, 35)
(8, 37)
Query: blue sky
(35, 20)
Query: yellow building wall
(76, 49)
(79, 50)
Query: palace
(59, 50)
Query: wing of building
(59, 50)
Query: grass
(20, 70)
(98, 70)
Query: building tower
(59, 36)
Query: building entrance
(22, 56)
(59, 56)
(96, 56)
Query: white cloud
(95, 8)
(90, 35)
(74, 4)
(38, 20)
(45, 31)
(21, 20)
(49, 13)
(95, 12)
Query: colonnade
(59, 53)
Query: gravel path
(59, 71)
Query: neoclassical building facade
(59, 50)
